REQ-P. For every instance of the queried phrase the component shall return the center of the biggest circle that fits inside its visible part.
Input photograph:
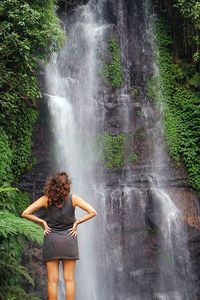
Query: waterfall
(72, 89)
(136, 246)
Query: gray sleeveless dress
(59, 244)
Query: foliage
(135, 91)
(21, 200)
(30, 32)
(171, 134)
(132, 157)
(8, 189)
(13, 230)
(10, 264)
(113, 150)
(194, 80)
(15, 293)
(191, 12)
(113, 70)
(13, 225)
(183, 16)
(5, 159)
(117, 150)
(171, 87)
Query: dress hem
(59, 257)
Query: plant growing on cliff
(117, 150)
(113, 71)
(30, 31)
(180, 106)
(132, 157)
(113, 150)
(191, 12)
(183, 16)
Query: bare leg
(53, 276)
(68, 271)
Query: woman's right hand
(47, 229)
(73, 230)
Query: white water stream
(72, 90)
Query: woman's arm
(77, 201)
(28, 212)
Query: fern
(13, 225)
(8, 189)
(9, 263)
(15, 293)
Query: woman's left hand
(73, 230)
(47, 229)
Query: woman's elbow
(94, 213)
(23, 214)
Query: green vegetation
(113, 70)
(132, 157)
(30, 32)
(176, 89)
(183, 17)
(135, 91)
(114, 150)
(117, 150)
(17, 293)
(190, 10)
(14, 234)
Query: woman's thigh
(53, 270)
(68, 269)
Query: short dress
(59, 244)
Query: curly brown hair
(57, 188)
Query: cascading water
(72, 91)
(136, 247)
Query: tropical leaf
(8, 189)
(12, 225)
(11, 264)
(16, 293)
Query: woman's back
(59, 244)
(61, 218)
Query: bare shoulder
(75, 200)
(78, 201)
(39, 203)
(42, 201)
(45, 200)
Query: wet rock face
(133, 248)
(67, 5)
(134, 244)
(33, 182)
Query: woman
(60, 231)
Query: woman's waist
(60, 227)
